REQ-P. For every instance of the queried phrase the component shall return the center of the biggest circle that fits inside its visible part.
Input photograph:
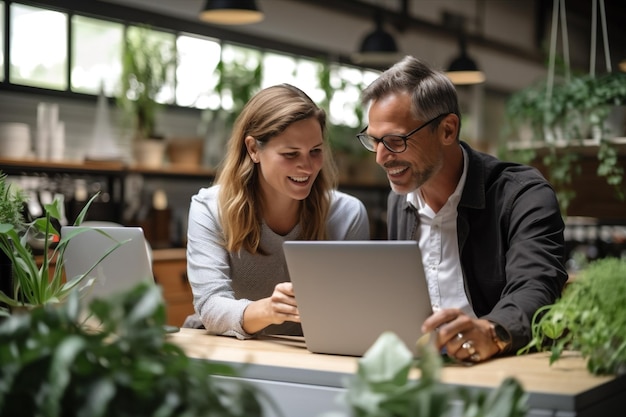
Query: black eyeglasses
(394, 143)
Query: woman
(277, 183)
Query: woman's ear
(252, 148)
(450, 127)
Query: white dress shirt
(440, 249)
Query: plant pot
(185, 152)
(149, 152)
(614, 126)
(14, 140)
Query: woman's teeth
(299, 179)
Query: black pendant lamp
(378, 48)
(231, 12)
(463, 69)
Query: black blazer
(511, 244)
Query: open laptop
(121, 270)
(349, 292)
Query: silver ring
(469, 346)
(475, 357)
(459, 336)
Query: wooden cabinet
(170, 272)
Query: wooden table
(307, 384)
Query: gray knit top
(224, 283)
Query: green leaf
(590, 317)
(388, 360)
(59, 375)
(98, 395)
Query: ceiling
(509, 37)
(429, 16)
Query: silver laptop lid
(122, 269)
(349, 292)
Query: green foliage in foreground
(590, 317)
(51, 364)
(382, 387)
(33, 284)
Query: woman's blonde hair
(265, 116)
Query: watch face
(502, 334)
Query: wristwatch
(501, 337)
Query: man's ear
(252, 148)
(450, 127)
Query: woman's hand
(283, 306)
(278, 308)
(464, 338)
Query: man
(490, 232)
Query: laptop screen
(121, 270)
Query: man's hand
(464, 338)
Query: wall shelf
(115, 173)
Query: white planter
(149, 152)
(14, 140)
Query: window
(96, 55)
(300, 72)
(152, 59)
(196, 73)
(2, 40)
(209, 73)
(307, 78)
(38, 59)
(241, 75)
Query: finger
(279, 299)
(286, 312)
(462, 324)
(438, 319)
(285, 288)
(468, 352)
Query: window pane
(2, 40)
(278, 69)
(97, 55)
(196, 76)
(307, 78)
(345, 106)
(159, 48)
(38, 58)
(240, 78)
(300, 72)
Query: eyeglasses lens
(395, 143)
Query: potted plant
(354, 163)
(590, 317)
(12, 201)
(54, 364)
(148, 64)
(549, 127)
(239, 78)
(382, 387)
(33, 283)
